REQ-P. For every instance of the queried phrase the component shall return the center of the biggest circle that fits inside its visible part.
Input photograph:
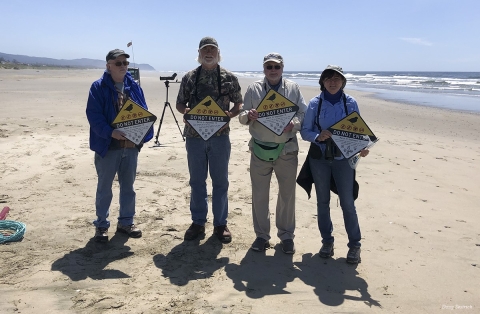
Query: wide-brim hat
(335, 68)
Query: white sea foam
(435, 86)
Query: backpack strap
(317, 119)
(219, 82)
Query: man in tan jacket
(284, 162)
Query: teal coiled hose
(11, 231)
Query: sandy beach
(418, 209)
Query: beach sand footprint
(4, 198)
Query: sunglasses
(269, 67)
(119, 63)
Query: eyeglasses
(277, 67)
(120, 63)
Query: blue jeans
(203, 157)
(122, 162)
(343, 175)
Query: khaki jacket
(254, 95)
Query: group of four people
(115, 154)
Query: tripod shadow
(191, 261)
(91, 260)
(259, 275)
(332, 279)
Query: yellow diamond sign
(206, 118)
(352, 134)
(134, 121)
(275, 112)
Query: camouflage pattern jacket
(194, 89)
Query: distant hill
(77, 63)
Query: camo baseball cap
(207, 41)
(273, 56)
(113, 54)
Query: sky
(359, 35)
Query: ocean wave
(443, 82)
(455, 90)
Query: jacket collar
(107, 79)
(267, 87)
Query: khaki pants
(285, 168)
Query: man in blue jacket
(114, 154)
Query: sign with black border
(207, 118)
(275, 112)
(352, 134)
(134, 121)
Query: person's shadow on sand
(91, 260)
(259, 275)
(332, 279)
(191, 261)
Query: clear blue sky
(360, 35)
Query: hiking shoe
(327, 250)
(193, 232)
(131, 230)
(288, 247)
(260, 244)
(353, 255)
(101, 234)
(223, 234)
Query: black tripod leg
(160, 124)
(176, 122)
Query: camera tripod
(167, 104)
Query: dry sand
(418, 209)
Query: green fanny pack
(267, 151)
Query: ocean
(449, 90)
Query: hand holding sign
(252, 115)
(118, 135)
(207, 118)
(275, 112)
(132, 122)
(289, 127)
(352, 135)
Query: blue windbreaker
(101, 111)
(329, 115)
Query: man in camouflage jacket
(212, 155)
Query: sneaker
(288, 247)
(327, 250)
(223, 234)
(101, 234)
(131, 230)
(193, 232)
(260, 244)
(353, 256)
